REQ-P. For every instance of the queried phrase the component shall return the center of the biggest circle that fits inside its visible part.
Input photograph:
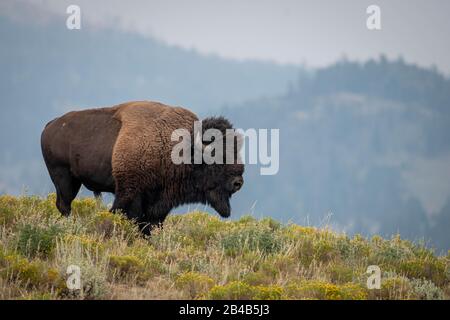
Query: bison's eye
(236, 184)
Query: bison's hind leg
(67, 188)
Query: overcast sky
(315, 32)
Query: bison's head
(225, 181)
(221, 180)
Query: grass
(200, 256)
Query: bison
(126, 150)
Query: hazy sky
(315, 32)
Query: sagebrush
(200, 256)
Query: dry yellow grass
(199, 256)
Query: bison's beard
(220, 201)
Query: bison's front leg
(125, 199)
(153, 217)
(136, 209)
(147, 227)
(121, 204)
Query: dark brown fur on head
(211, 184)
(217, 182)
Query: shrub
(197, 230)
(93, 283)
(153, 266)
(238, 290)
(235, 290)
(47, 207)
(7, 210)
(296, 232)
(340, 273)
(268, 293)
(250, 238)
(359, 247)
(393, 287)
(194, 284)
(426, 290)
(35, 240)
(28, 273)
(39, 296)
(258, 278)
(271, 223)
(126, 265)
(88, 243)
(431, 269)
(110, 224)
(389, 253)
(246, 220)
(325, 250)
(85, 207)
(316, 289)
(129, 267)
(93, 267)
(8, 201)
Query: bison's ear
(219, 123)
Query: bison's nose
(237, 183)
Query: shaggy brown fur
(126, 150)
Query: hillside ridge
(200, 256)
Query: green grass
(200, 256)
